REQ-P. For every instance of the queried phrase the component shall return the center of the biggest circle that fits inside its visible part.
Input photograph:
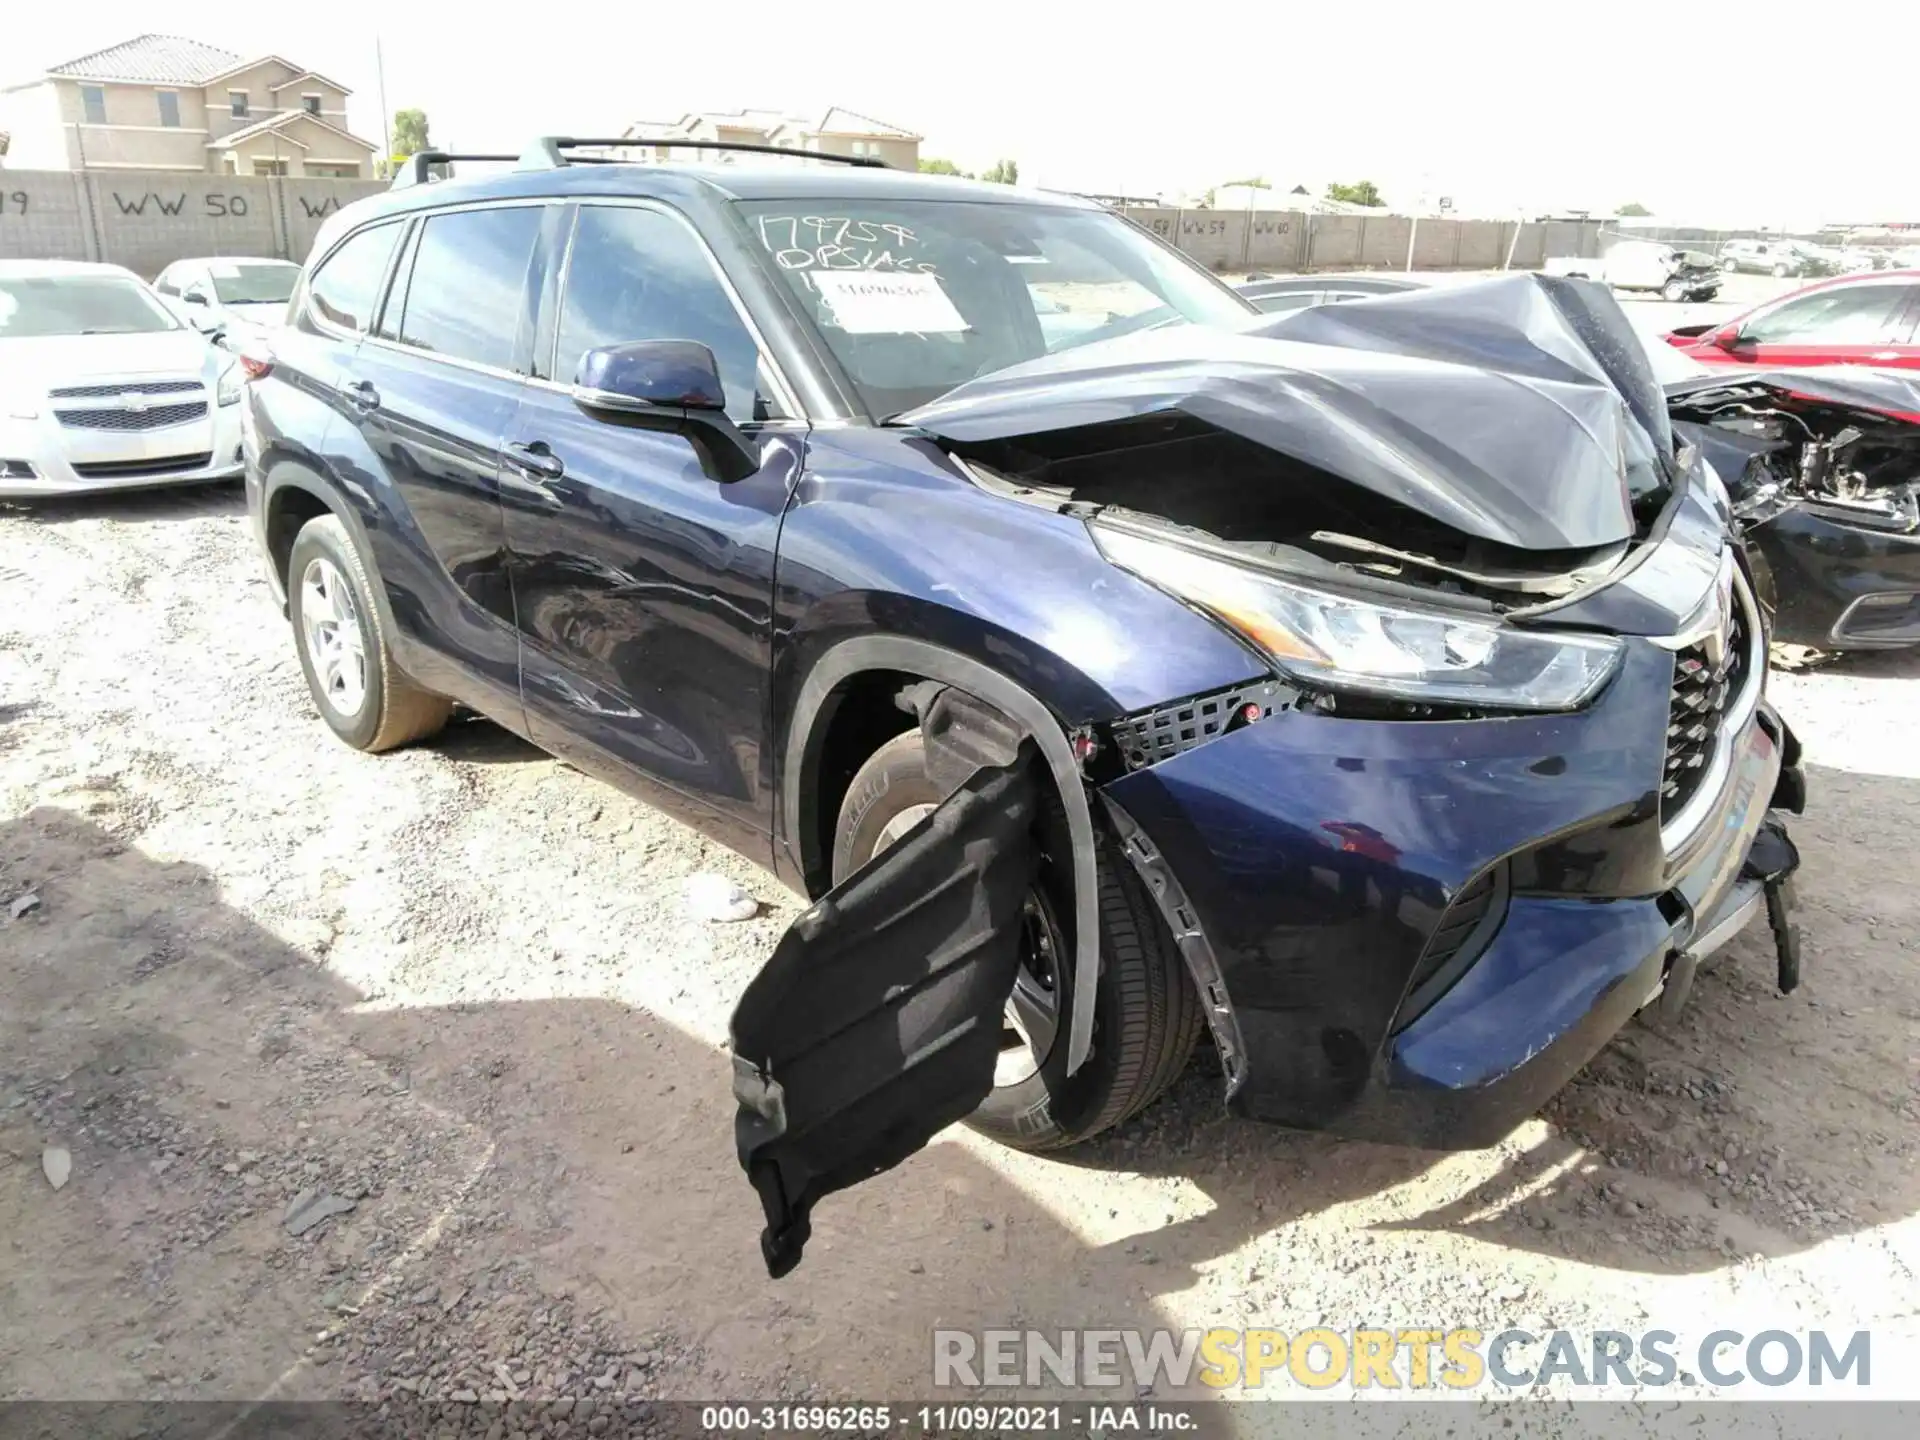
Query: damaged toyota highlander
(1376, 690)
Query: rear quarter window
(344, 290)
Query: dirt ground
(454, 995)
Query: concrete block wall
(146, 219)
(1294, 240)
(45, 215)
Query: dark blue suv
(1377, 689)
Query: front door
(434, 388)
(643, 583)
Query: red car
(1866, 319)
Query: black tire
(394, 711)
(1673, 292)
(1147, 1014)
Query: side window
(466, 291)
(93, 104)
(641, 275)
(1844, 315)
(345, 288)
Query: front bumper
(1837, 584)
(68, 461)
(1316, 857)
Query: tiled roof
(280, 122)
(841, 121)
(153, 60)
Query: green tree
(1364, 192)
(934, 165)
(1004, 172)
(409, 134)
(1633, 207)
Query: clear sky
(1724, 113)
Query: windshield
(78, 305)
(916, 296)
(254, 284)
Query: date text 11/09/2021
(945, 1419)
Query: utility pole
(386, 115)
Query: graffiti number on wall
(14, 201)
(217, 206)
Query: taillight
(256, 359)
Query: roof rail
(417, 168)
(545, 153)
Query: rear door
(877, 1021)
(1851, 324)
(432, 391)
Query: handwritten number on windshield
(839, 242)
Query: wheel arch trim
(860, 653)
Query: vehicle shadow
(1875, 664)
(475, 738)
(546, 1181)
(159, 505)
(1756, 1124)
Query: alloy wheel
(336, 645)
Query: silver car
(102, 388)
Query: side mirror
(1727, 337)
(194, 297)
(667, 385)
(207, 323)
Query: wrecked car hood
(1519, 410)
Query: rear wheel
(1780, 272)
(343, 647)
(1146, 1013)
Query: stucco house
(839, 132)
(161, 102)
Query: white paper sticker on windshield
(887, 303)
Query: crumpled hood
(1519, 409)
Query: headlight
(1339, 642)
(228, 391)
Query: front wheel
(343, 647)
(1674, 291)
(1147, 1014)
(1780, 272)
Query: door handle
(536, 460)
(362, 396)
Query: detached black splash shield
(876, 1023)
(1520, 410)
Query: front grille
(1702, 691)
(130, 469)
(1147, 737)
(157, 418)
(126, 387)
